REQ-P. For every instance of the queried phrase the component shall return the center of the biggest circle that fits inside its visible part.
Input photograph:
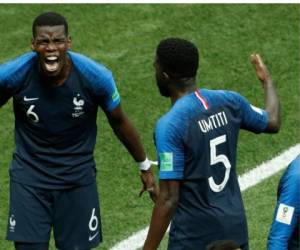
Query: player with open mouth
(51, 45)
(57, 94)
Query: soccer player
(284, 233)
(196, 144)
(56, 94)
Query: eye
(59, 41)
(42, 42)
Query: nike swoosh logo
(29, 99)
(93, 237)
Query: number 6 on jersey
(32, 115)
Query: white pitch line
(269, 168)
(247, 180)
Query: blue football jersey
(284, 233)
(55, 126)
(196, 143)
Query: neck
(190, 86)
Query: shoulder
(93, 71)
(175, 121)
(292, 173)
(290, 181)
(222, 95)
(14, 72)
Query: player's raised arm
(128, 135)
(272, 105)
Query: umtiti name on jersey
(214, 121)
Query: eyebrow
(43, 37)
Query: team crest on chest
(78, 106)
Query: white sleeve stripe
(256, 109)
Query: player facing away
(285, 229)
(196, 144)
(56, 94)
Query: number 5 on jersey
(221, 158)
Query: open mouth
(51, 63)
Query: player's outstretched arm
(128, 135)
(272, 105)
(163, 210)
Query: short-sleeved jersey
(284, 233)
(55, 126)
(196, 143)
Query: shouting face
(51, 43)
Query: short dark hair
(178, 57)
(49, 19)
(223, 245)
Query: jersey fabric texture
(196, 143)
(55, 126)
(284, 233)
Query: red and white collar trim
(201, 99)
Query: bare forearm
(163, 211)
(272, 106)
(129, 136)
(160, 221)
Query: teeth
(52, 58)
(52, 67)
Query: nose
(51, 46)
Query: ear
(32, 46)
(69, 42)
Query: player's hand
(260, 68)
(149, 184)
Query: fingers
(153, 197)
(152, 193)
(260, 68)
(256, 60)
(253, 58)
(150, 189)
(145, 189)
(148, 185)
(141, 192)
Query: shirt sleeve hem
(170, 175)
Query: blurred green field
(123, 37)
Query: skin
(168, 197)
(128, 135)
(52, 41)
(272, 105)
(169, 86)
